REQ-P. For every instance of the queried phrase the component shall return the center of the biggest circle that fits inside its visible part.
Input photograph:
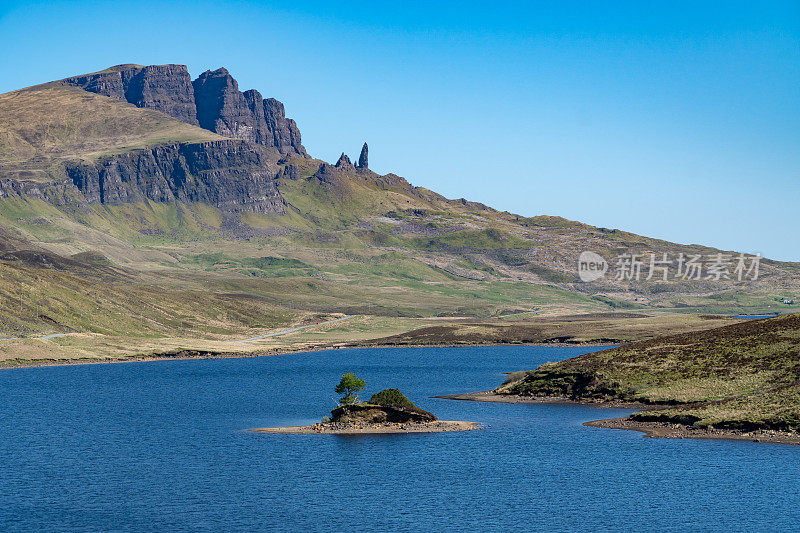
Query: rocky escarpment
(58, 193)
(165, 88)
(231, 175)
(212, 101)
(223, 109)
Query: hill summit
(212, 101)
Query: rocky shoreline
(667, 430)
(493, 397)
(362, 428)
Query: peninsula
(738, 381)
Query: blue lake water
(161, 446)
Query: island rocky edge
(388, 411)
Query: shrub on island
(393, 398)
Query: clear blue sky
(669, 119)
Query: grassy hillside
(350, 242)
(741, 376)
(350, 248)
(43, 126)
(351, 224)
(42, 293)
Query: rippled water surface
(161, 446)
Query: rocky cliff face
(165, 88)
(223, 109)
(231, 175)
(59, 193)
(212, 101)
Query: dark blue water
(160, 446)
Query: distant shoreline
(662, 430)
(186, 355)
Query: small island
(387, 411)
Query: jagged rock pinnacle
(363, 159)
(343, 161)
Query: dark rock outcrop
(284, 130)
(212, 101)
(339, 179)
(344, 163)
(165, 88)
(374, 414)
(58, 193)
(231, 175)
(330, 175)
(223, 109)
(290, 172)
(476, 206)
(363, 159)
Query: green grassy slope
(742, 376)
(369, 251)
(43, 293)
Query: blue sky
(678, 120)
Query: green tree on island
(349, 386)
